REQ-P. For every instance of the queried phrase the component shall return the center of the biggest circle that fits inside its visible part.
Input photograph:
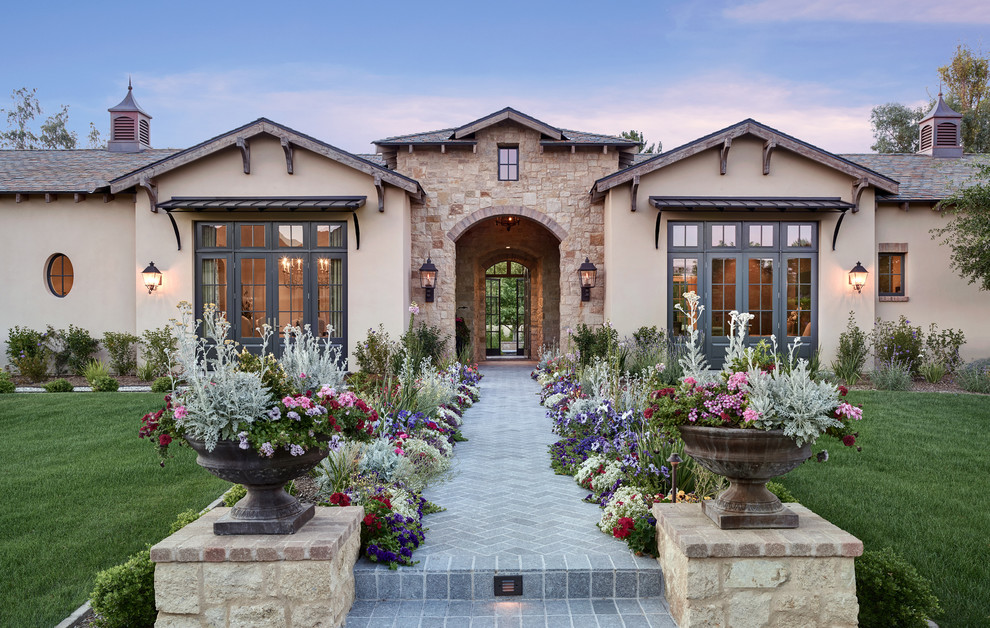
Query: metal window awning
(751, 204)
(262, 204)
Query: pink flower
(738, 379)
(414, 309)
(180, 413)
(690, 381)
(398, 451)
(849, 410)
(750, 415)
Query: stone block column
(755, 578)
(292, 581)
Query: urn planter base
(227, 524)
(729, 520)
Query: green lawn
(81, 492)
(919, 486)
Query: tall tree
(968, 232)
(637, 136)
(20, 118)
(967, 78)
(895, 128)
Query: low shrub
(58, 386)
(933, 371)
(157, 345)
(122, 347)
(81, 346)
(943, 346)
(105, 384)
(146, 372)
(6, 385)
(162, 385)
(892, 594)
(35, 368)
(594, 343)
(892, 375)
(377, 354)
(898, 342)
(234, 495)
(974, 377)
(28, 352)
(781, 492)
(93, 370)
(854, 347)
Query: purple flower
(296, 450)
(267, 450)
(243, 436)
(292, 414)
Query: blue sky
(350, 73)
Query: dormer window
(508, 163)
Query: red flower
(624, 528)
(843, 390)
(164, 440)
(648, 413)
(848, 440)
(340, 499)
(372, 522)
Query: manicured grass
(81, 492)
(919, 486)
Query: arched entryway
(527, 249)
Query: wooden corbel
(443, 149)
(287, 149)
(20, 198)
(605, 149)
(857, 191)
(904, 206)
(108, 197)
(152, 189)
(724, 154)
(245, 147)
(768, 147)
(635, 192)
(49, 197)
(381, 192)
(78, 198)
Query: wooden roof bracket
(287, 149)
(152, 189)
(768, 147)
(242, 143)
(838, 223)
(904, 206)
(635, 191)
(20, 198)
(724, 154)
(78, 197)
(857, 191)
(381, 193)
(108, 197)
(50, 197)
(175, 229)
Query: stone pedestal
(292, 581)
(749, 578)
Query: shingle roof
(70, 170)
(443, 136)
(921, 177)
(376, 159)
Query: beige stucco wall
(375, 288)
(637, 293)
(97, 237)
(936, 293)
(462, 183)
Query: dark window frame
(881, 273)
(511, 163)
(50, 276)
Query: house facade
(272, 225)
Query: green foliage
(58, 350)
(974, 377)
(95, 369)
(425, 342)
(183, 519)
(6, 386)
(162, 385)
(105, 383)
(28, 351)
(968, 231)
(854, 347)
(637, 136)
(58, 386)
(122, 347)
(943, 347)
(781, 492)
(933, 371)
(594, 343)
(892, 594)
(272, 375)
(19, 135)
(81, 347)
(897, 342)
(378, 353)
(895, 127)
(124, 595)
(462, 337)
(158, 343)
(146, 372)
(642, 538)
(967, 83)
(234, 495)
(33, 368)
(891, 375)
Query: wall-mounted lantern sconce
(507, 221)
(428, 279)
(588, 273)
(152, 277)
(857, 277)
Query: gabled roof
(922, 177)
(72, 171)
(941, 110)
(128, 104)
(266, 126)
(462, 135)
(746, 127)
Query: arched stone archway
(533, 243)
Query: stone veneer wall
(756, 578)
(554, 183)
(300, 580)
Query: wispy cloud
(351, 111)
(891, 11)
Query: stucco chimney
(940, 132)
(130, 126)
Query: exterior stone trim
(506, 210)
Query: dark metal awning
(750, 204)
(700, 203)
(261, 204)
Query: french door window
(766, 268)
(276, 273)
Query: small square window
(891, 275)
(508, 163)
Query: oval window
(59, 275)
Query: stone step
(466, 578)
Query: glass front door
(506, 311)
